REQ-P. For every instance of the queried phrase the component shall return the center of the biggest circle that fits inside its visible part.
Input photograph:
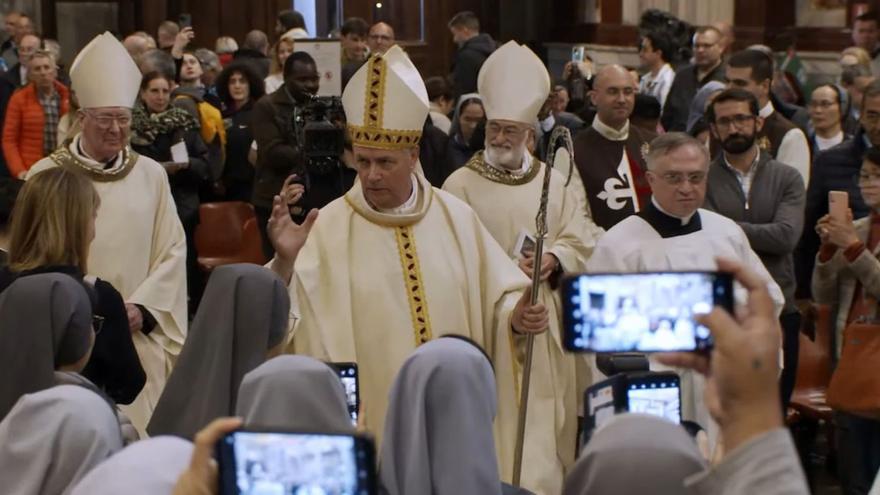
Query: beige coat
(834, 282)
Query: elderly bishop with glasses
(139, 245)
(674, 233)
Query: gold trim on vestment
(479, 165)
(65, 159)
(375, 93)
(412, 276)
(386, 139)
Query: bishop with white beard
(503, 185)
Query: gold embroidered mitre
(386, 103)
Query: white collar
(80, 152)
(515, 173)
(610, 133)
(409, 205)
(825, 143)
(767, 110)
(548, 123)
(684, 220)
(660, 73)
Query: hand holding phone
(348, 375)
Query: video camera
(319, 125)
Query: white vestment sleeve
(795, 152)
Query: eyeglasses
(739, 120)
(703, 46)
(105, 122)
(509, 130)
(380, 37)
(678, 178)
(863, 178)
(97, 323)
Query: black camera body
(319, 125)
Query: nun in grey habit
(635, 453)
(45, 325)
(52, 438)
(148, 467)
(243, 316)
(438, 430)
(294, 393)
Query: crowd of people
(410, 253)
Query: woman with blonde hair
(855, 55)
(53, 225)
(280, 52)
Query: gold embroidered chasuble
(506, 204)
(370, 287)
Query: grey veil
(243, 314)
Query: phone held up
(184, 20)
(641, 312)
(348, 374)
(261, 461)
(838, 205)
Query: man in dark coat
(474, 48)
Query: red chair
(814, 368)
(227, 233)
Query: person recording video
(276, 121)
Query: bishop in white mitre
(395, 263)
(503, 184)
(139, 244)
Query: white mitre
(386, 102)
(103, 74)
(514, 84)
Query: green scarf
(146, 127)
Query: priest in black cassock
(610, 154)
(672, 233)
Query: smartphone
(641, 312)
(348, 373)
(184, 20)
(296, 463)
(578, 53)
(838, 204)
(658, 394)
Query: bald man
(136, 45)
(610, 154)
(728, 38)
(8, 49)
(380, 37)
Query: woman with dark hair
(829, 106)
(468, 116)
(170, 135)
(238, 87)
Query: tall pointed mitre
(103, 74)
(514, 84)
(386, 102)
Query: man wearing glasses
(381, 38)
(673, 233)
(765, 198)
(708, 66)
(610, 154)
(139, 245)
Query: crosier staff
(562, 133)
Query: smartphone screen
(641, 312)
(348, 373)
(577, 53)
(294, 463)
(658, 395)
(184, 20)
